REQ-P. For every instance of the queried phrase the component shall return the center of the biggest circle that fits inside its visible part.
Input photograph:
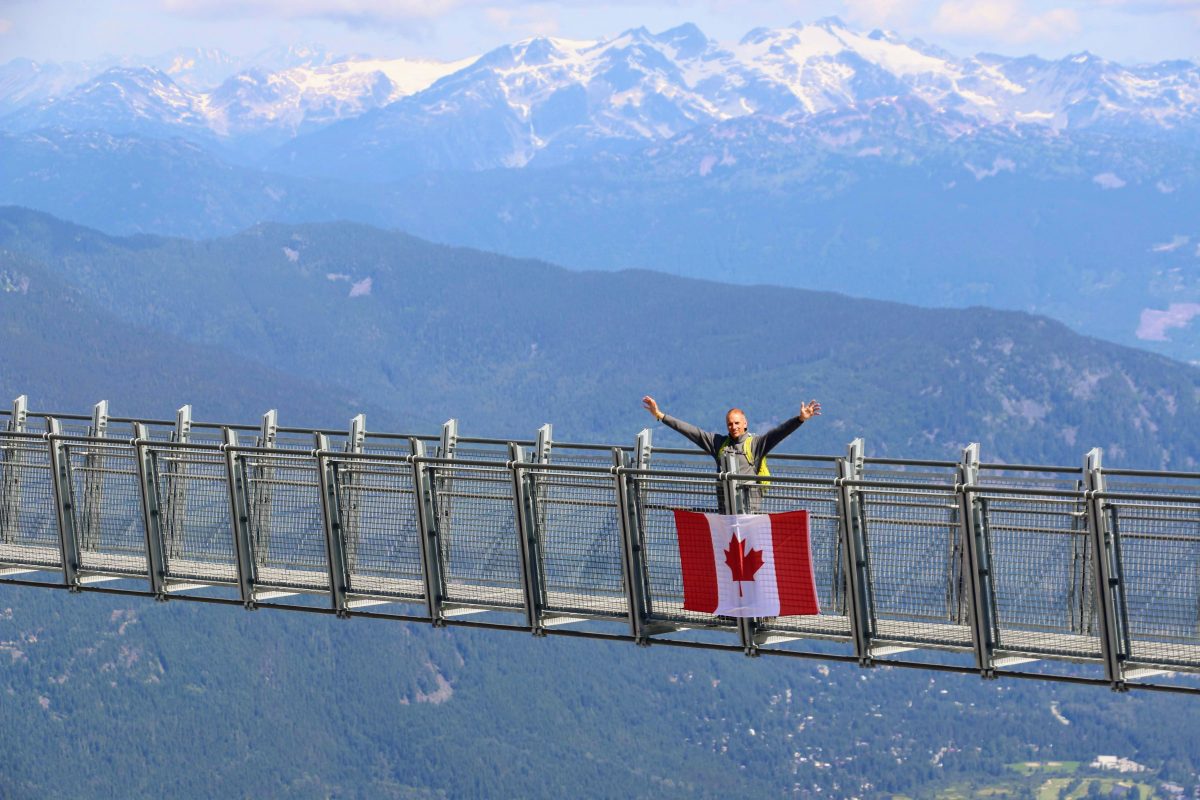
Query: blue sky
(1123, 30)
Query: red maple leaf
(742, 565)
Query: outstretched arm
(703, 439)
(785, 429)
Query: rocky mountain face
(547, 100)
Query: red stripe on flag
(697, 562)
(793, 564)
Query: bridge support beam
(977, 565)
(64, 504)
(859, 606)
(93, 484)
(427, 532)
(151, 510)
(735, 503)
(239, 516)
(10, 473)
(335, 539)
(1106, 575)
(525, 523)
(632, 550)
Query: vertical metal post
(269, 429)
(443, 484)
(858, 587)
(335, 540)
(10, 472)
(64, 504)
(99, 420)
(93, 483)
(977, 564)
(643, 448)
(732, 501)
(431, 555)
(545, 442)
(176, 471)
(1106, 575)
(262, 509)
(239, 515)
(531, 560)
(449, 441)
(632, 554)
(151, 510)
(358, 434)
(20, 413)
(183, 423)
(355, 444)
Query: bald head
(735, 422)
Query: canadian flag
(746, 565)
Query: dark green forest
(108, 696)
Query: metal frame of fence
(976, 567)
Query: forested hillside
(112, 696)
(425, 332)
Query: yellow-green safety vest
(748, 449)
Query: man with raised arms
(750, 451)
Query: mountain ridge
(420, 327)
(563, 98)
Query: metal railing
(979, 567)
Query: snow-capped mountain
(303, 97)
(254, 103)
(24, 82)
(548, 100)
(120, 100)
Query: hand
(809, 410)
(650, 405)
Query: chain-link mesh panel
(380, 523)
(481, 555)
(1160, 570)
(108, 507)
(914, 556)
(482, 452)
(193, 495)
(286, 525)
(824, 525)
(28, 521)
(657, 498)
(1041, 566)
(580, 457)
(579, 530)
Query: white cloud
(353, 12)
(1107, 180)
(1155, 323)
(880, 12)
(1177, 241)
(1188, 8)
(1007, 20)
(361, 288)
(536, 20)
(1153, 6)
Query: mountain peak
(687, 39)
(827, 23)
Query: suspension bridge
(1083, 574)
